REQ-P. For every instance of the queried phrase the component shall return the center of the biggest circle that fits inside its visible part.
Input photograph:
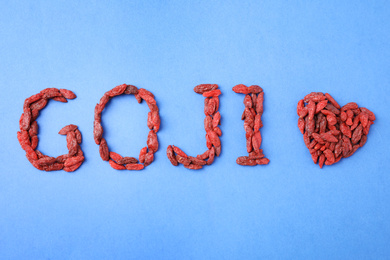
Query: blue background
(287, 209)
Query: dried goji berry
(254, 89)
(67, 94)
(152, 141)
(314, 96)
(116, 166)
(134, 166)
(171, 156)
(130, 89)
(200, 89)
(118, 90)
(66, 129)
(103, 150)
(73, 160)
(193, 166)
(240, 88)
(196, 161)
(212, 93)
(331, 100)
(127, 160)
(142, 154)
(72, 168)
(115, 157)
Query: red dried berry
(332, 101)
(349, 106)
(46, 161)
(311, 107)
(134, 166)
(193, 166)
(50, 93)
(130, 89)
(212, 93)
(256, 140)
(115, 157)
(79, 137)
(149, 157)
(142, 154)
(34, 142)
(301, 125)
(254, 89)
(62, 158)
(38, 105)
(72, 168)
(214, 139)
(54, 167)
(178, 151)
(357, 134)
(332, 109)
(211, 156)
(118, 90)
(116, 166)
(127, 160)
(138, 98)
(97, 132)
(314, 96)
(67, 94)
(200, 89)
(71, 143)
(146, 95)
(262, 161)
(156, 120)
(371, 115)
(248, 101)
(66, 129)
(34, 98)
(240, 88)
(171, 156)
(259, 104)
(329, 137)
(246, 161)
(73, 160)
(208, 123)
(216, 119)
(196, 161)
(321, 105)
(103, 150)
(152, 141)
(60, 99)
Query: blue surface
(289, 209)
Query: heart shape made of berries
(331, 132)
